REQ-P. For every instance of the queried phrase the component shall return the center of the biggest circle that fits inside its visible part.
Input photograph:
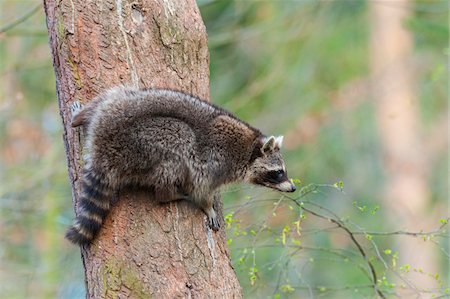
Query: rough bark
(405, 161)
(144, 249)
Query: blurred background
(359, 89)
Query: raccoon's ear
(278, 142)
(268, 144)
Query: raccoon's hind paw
(75, 108)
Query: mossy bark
(144, 249)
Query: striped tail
(94, 206)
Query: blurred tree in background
(305, 69)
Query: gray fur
(174, 144)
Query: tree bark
(144, 249)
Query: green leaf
(252, 275)
(405, 268)
(296, 181)
(286, 230)
(287, 288)
(339, 185)
(296, 242)
(374, 210)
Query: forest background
(358, 88)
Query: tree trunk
(144, 249)
(405, 161)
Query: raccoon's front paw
(213, 220)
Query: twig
(401, 232)
(380, 258)
(357, 244)
(21, 19)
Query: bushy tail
(94, 206)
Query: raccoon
(171, 143)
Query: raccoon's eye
(276, 174)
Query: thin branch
(380, 258)
(338, 252)
(401, 232)
(436, 232)
(348, 227)
(282, 273)
(352, 237)
(20, 20)
(327, 289)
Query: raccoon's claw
(213, 221)
(76, 110)
(75, 107)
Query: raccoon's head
(267, 165)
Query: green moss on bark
(116, 274)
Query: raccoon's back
(137, 105)
(131, 149)
(130, 133)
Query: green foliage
(291, 61)
(296, 254)
(282, 66)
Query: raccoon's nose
(293, 188)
